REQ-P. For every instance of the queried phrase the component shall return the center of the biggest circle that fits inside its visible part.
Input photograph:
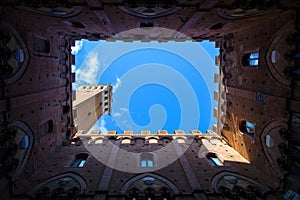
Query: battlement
(147, 132)
(128, 136)
(94, 88)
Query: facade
(90, 102)
(252, 153)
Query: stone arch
(277, 38)
(22, 52)
(235, 180)
(57, 11)
(242, 10)
(25, 155)
(67, 181)
(126, 140)
(145, 12)
(152, 140)
(180, 139)
(131, 181)
(265, 131)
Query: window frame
(146, 160)
(247, 129)
(249, 56)
(212, 157)
(80, 160)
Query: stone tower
(90, 102)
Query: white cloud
(123, 109)
(100, 125)
(117, 85)
(77, 47)
(73, 68)
(116, 114)
(89, 72)
(102, 128)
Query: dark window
(50, 125)
(146, 24)
(247, 127)
(214, 160)
(261, 97)
(41, 45)
(66, 109)
(47, 127)
(251, 59)
(80, 160)
(76, 24)
(217, 26)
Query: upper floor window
(41, 45)
(146, 162)
(180, 140)
(214, 160)
(80, 160)
(251, 59)
(247, 127)
(126, 141)
(153, 141)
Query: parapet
(94, 87)
(146, 133)
(128, 136)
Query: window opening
(214, 160)
(80, 160)
(251, 59)
(146, 162)
(247, 127)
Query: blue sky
(156, 86)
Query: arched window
(247, 127)
(126, 141)
(251, 59)
(65, 186)
(16, 151)
(235, 186)
(149, 186)
(180, 140)
(149, 193)
(13, 54)
(153, 141)
(269, 141)
(146, 160)
(214, 160)
(133, 193)
(80, 160)
(275, 56)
